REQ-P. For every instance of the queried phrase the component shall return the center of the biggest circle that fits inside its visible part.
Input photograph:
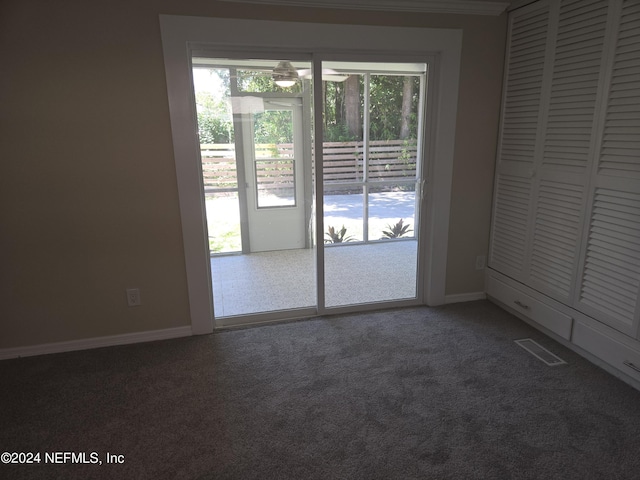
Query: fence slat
(343, 162)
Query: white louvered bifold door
(574, 86)
(610, 274)
(567, 148)
(510, 223)
(620, 154)
(524, 74)
(557, 228)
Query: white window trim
(181, 33)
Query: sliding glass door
(255, 123)
(257, 167)
(372, 124)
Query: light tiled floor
(283, 280)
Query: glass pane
(256, 154)
(217, 152)
(275, 158)
(223, 222)
(392, 212)
(261, 80)
(219, 166)
(392, 160)
(369, 159)
(276, 183)
(211, 88)
(342, 129)
(369, 273)
(273, 134)
(343, 215)
(393, 126)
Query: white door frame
(181, 35)
(275, 227)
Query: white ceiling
(475, 7)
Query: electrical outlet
(480, 261)
(133, 297)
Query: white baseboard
(465, 297)
(97, 342)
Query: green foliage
(333, 104)
(273, 126)
(223, 242)
(408, 153)
(396, 231)
(212, 129)
(386, 104)
(259, 81)
(337, 237)
(338, 133)
(214, 123)
(385, 110)
(385, 115)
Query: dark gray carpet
(419, 393)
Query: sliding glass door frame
(422, 165)
(315, 133)
(245, 178)
(183, 35)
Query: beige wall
(89, 202)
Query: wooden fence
(342, 161)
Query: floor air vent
(539, 351)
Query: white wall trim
(97, 342)
(468, 7)
(465, 297)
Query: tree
(273, 126)
(407, 103)
(214, 123)
(335, 126)
(352, 106)
(393, 104)
(385, 92)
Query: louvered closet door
(528, 29)
(610, 275)
(567, 147)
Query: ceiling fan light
(284, 75)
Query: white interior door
(275, 175)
